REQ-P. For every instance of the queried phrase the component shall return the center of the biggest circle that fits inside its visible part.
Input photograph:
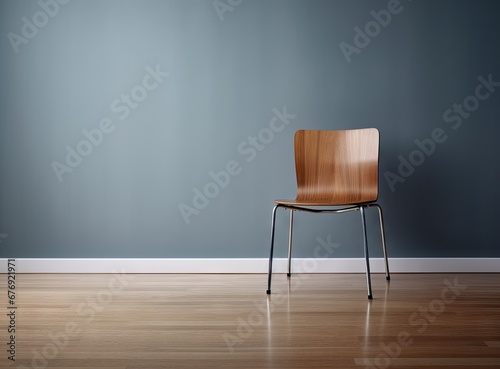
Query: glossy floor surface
(227, 321)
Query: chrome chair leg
(271, 252)
(290, 234)
(367, 256)
(382, 232)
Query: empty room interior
(249, 184)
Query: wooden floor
(227, 321)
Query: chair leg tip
(288, 274)
(268, 292)
(370, 297)
(388, 277)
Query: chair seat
(310, 202)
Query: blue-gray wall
(205, 77)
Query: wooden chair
(334, 169)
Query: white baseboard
(255, 265)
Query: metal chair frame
(360, 208)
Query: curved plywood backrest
(337, 167)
